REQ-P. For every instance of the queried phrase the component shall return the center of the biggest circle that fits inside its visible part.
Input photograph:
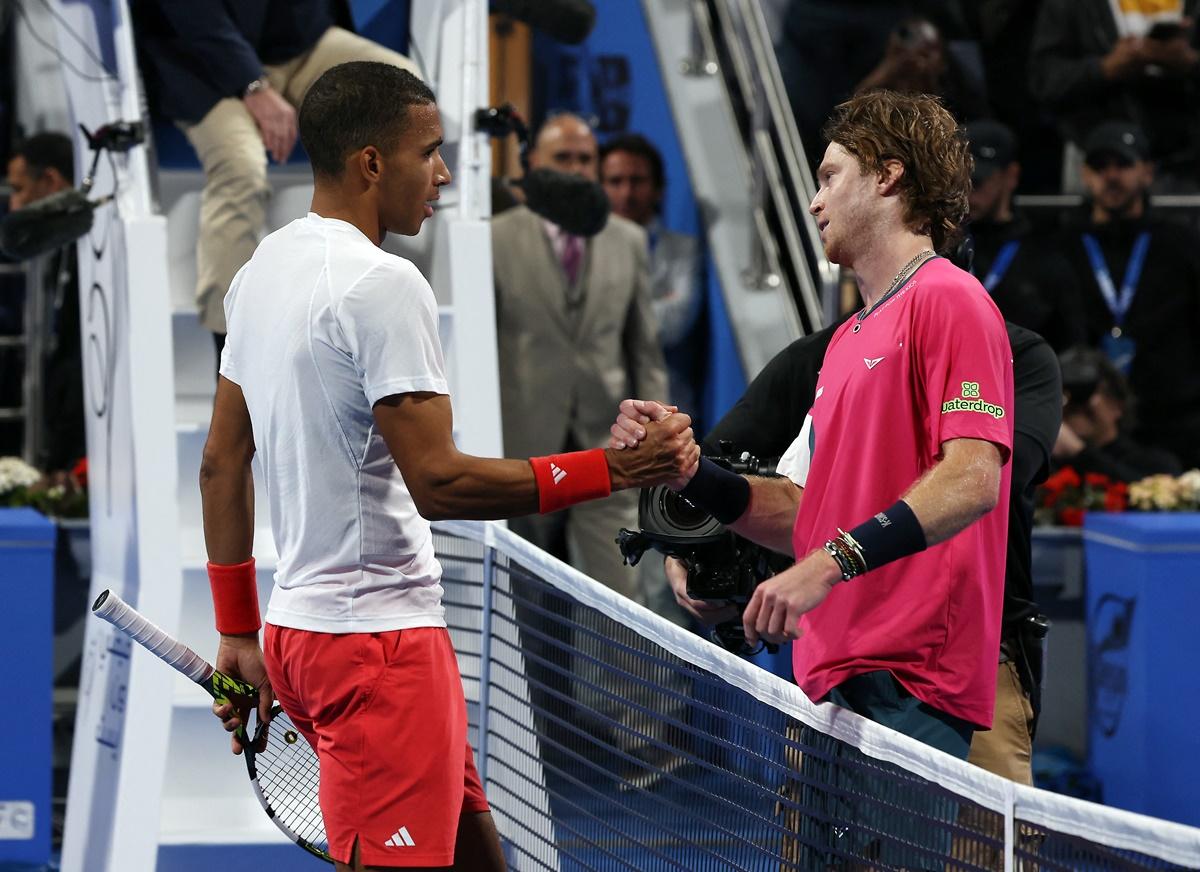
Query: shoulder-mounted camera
(722, 567)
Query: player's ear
(890, 175)
(370, 163)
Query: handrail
(711, 117)
(781, 185)
(791, 147)
(1070, 201)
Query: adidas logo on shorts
(401, 839)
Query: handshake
(651, 445)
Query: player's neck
(353, 210)
(876, 270)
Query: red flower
(1097, 479)
(1065, 477)
(1071, 517)
(1115, 500)
(80, 472)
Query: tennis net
(609, 738)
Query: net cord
(1114, 828)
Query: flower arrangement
(1066, 495)
(1167, 493)
(62, 495)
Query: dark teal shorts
(879, 697)
(858, 812)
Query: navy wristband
(888, 536)
(717, 490)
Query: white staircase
(163, 755)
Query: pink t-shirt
(932, 363)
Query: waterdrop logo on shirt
(970, 402)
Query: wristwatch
(259, 84)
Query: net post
(1010, 841)
(485, 660)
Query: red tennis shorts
(386, 714)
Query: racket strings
(289, 777)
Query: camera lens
(666, 516)
(680, 513)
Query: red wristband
(235, 597)
(566, 479)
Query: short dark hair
(49, 150)
(354, 105)
(1087, 371)
(638, 145)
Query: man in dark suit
(231, 73)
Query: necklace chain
(899, 280)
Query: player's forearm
(475, 488)
(227, 495)
(771, 514)
(955, 494)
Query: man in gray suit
(577, 334)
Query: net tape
(617, 740)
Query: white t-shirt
(797, 460)
(322, 324)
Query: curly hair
(918, 131)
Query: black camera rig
(722, 567)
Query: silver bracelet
(258, 85)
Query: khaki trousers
(1007, 748)
(233, 206)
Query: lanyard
(1004, 259)
(1118, 305)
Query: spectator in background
(42, 165)
(631, 171)
(915, 61)
(576, 333)
(231, 76)
(1139, 278)
(1030, 282)
(1089, 64)
(1003, 30)
(826, 47)
(1097, 415)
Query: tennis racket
(284, 774)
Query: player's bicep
(418, 429)
(230, 432)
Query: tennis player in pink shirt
(894, 495)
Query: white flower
(16, 473)
(1189, 486)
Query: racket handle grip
(124, 617)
